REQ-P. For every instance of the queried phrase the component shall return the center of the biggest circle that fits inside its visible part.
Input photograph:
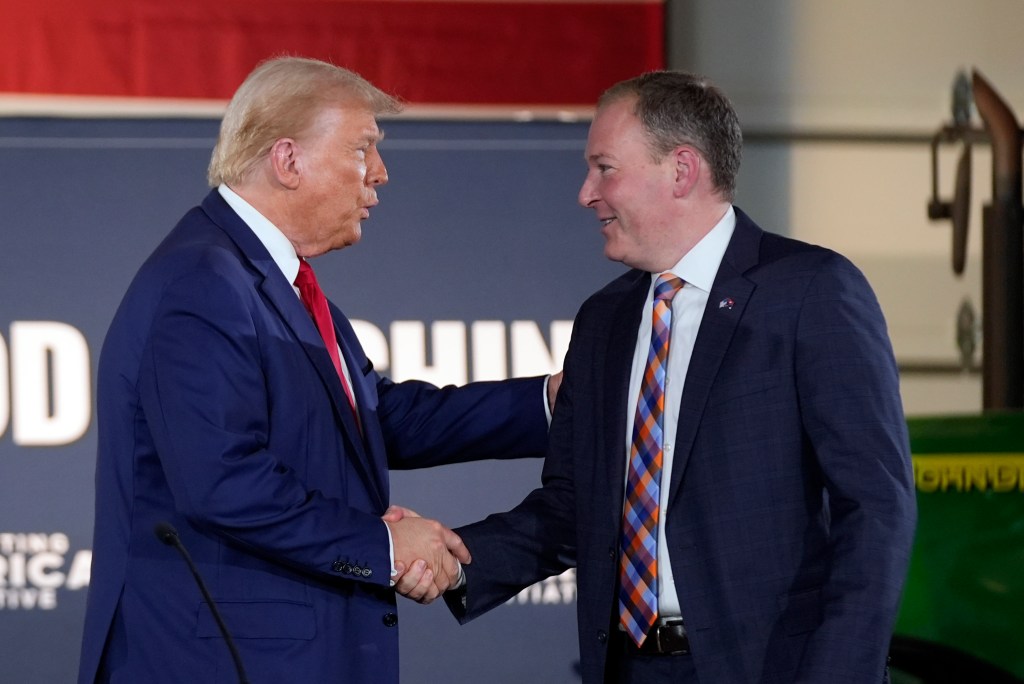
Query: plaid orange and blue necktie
(638, 565)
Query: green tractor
(962, 616)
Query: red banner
(426, 52)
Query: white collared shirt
(279, 246)
(698, 269)
(281, 251)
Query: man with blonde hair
(236, 406)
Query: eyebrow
(368, 137)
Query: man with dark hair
(728, 466)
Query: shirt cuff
(460, 581)
(391, 554)
(547, 407)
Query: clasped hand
(427, 554)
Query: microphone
(166, 533)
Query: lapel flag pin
(726, 303)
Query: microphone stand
(166, 533)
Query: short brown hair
(678, 108)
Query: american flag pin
(726, 303)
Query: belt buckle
(657, 639)
(664, 627)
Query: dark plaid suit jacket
(792, 508)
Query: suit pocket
(259, 620)
(801, 611)
(724, 391)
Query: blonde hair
(281, 98)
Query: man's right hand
(427, 554)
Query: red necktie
(316, 304)
(638, 571)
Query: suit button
(337, 566)
(346, 568)
(357, 571)
(390, 619)
(611, 553)
(367, 572)
(602, 636)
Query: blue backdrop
(479, 257)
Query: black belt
(665, 638)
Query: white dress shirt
(698, 269)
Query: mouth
(606, 221)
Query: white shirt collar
(280, 248)
(699, 266)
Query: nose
(587, 195)
(376, 172)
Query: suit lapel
(371, 444)
(619, 362)
(728, 299)
(278, 291)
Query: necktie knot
(667, 286)
(306, 277)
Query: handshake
(427, 555)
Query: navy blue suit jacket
(220, 412)
(791, 510)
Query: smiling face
(339, 169)
(631, 193)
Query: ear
(284, 162)
(688, 164)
